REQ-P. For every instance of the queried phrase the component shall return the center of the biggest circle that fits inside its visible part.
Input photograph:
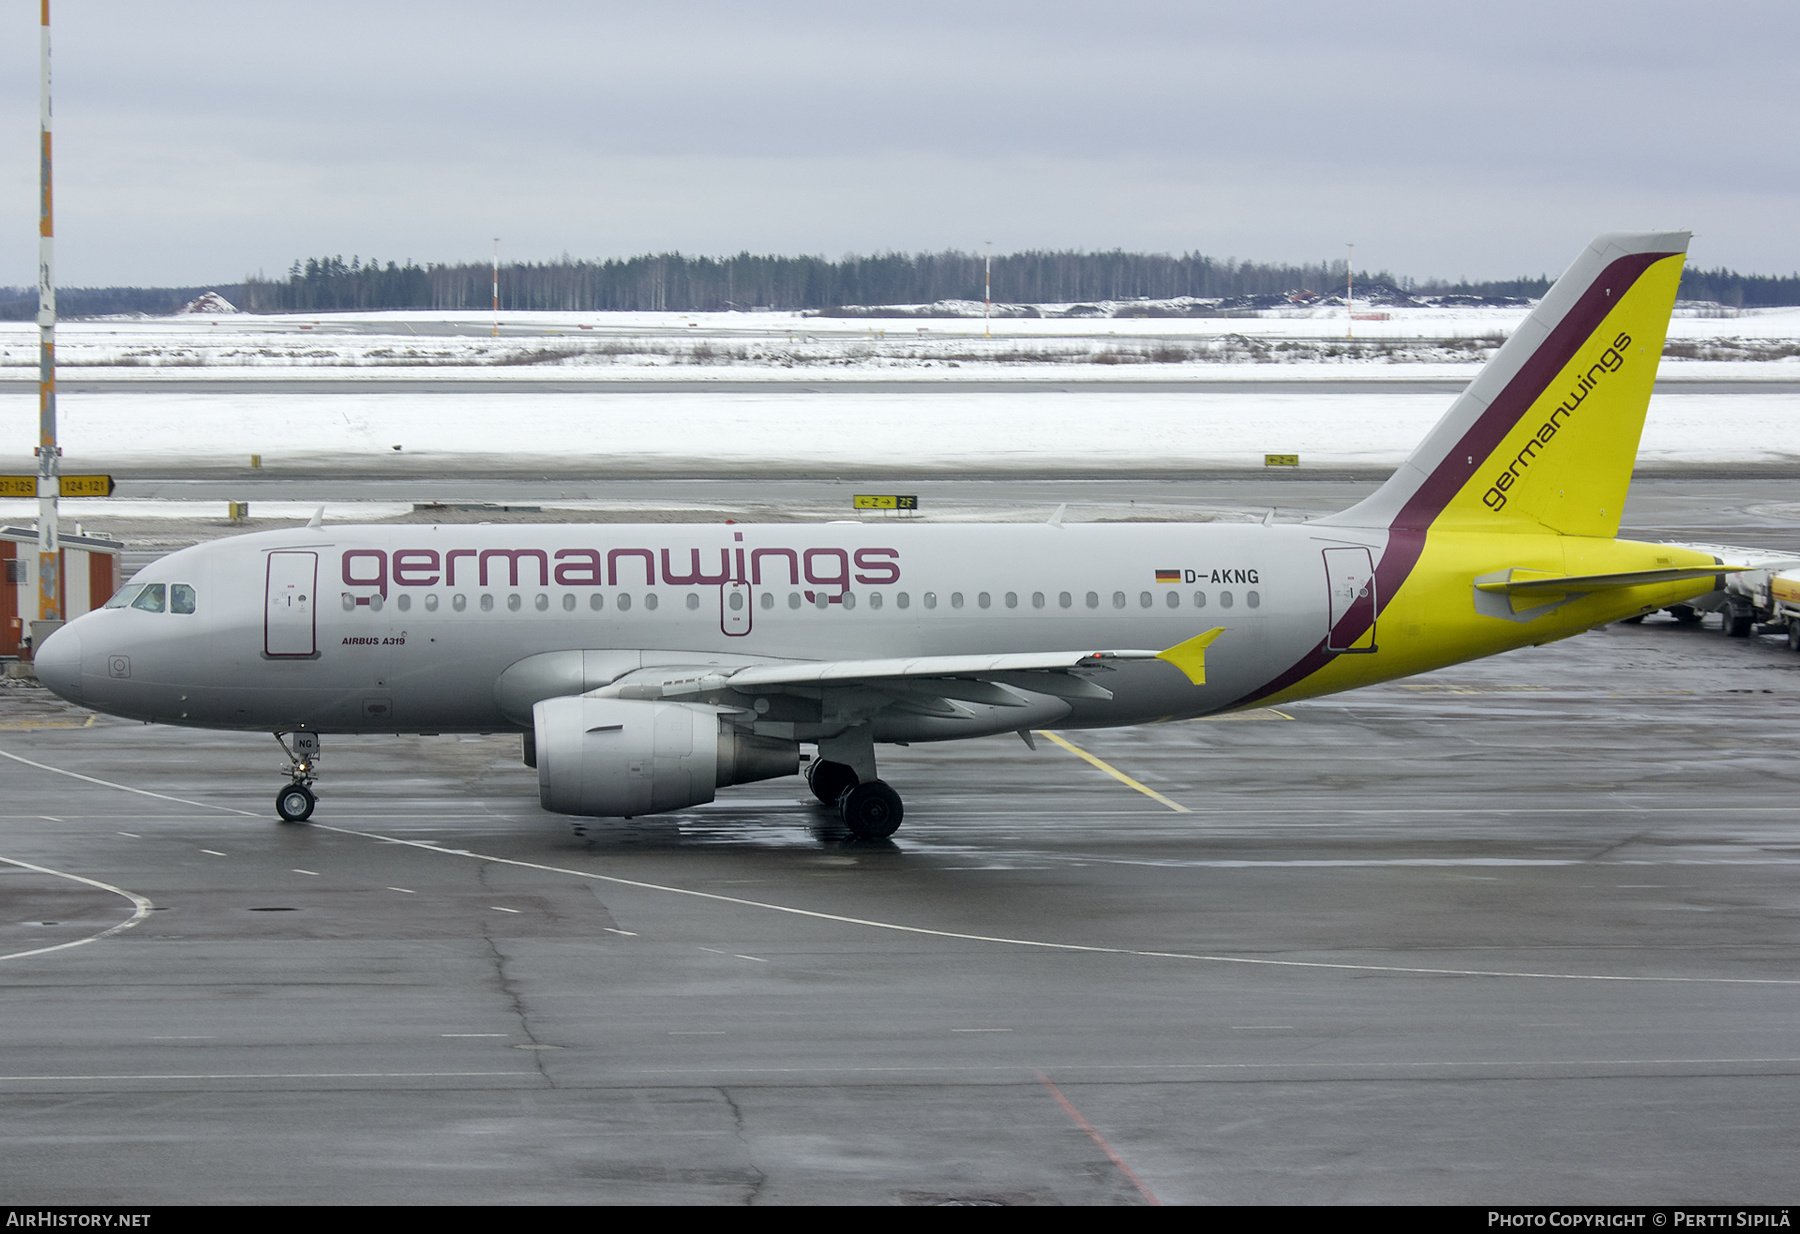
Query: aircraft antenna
(50, 584)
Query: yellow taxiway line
(1114, 772)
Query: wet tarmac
(1522, 931)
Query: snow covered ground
(1093, 424)
(1303, 343)
(1088, 430)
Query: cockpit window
(181, 598)
(125, 595)
(150, 599)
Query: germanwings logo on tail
(1611, 361)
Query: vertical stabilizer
(1545, 437)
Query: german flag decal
(1168, 576)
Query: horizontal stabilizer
(1562, 584)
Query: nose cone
(58, 663)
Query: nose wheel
(295, 803)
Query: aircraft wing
(976, 678)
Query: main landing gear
(295, 802)
(870, 809)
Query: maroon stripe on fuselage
(1406, 534)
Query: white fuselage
(408, 627)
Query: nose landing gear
(295, 802)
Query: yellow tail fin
(1546, 435)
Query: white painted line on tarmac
(140, 909)
(1079, 948)
(961, 936)
(126, 788)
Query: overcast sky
(200, 140)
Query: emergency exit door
(1350, 580)
(290, 604)
(734, 608)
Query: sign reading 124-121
(72, 486)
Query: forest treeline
(677, 282)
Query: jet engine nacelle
(615, 758)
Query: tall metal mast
(50, 582)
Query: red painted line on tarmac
(1099, 1139)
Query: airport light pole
(50, 582)
(987, 303)
(1349, 290)
(496, 286)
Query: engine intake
(615, 758)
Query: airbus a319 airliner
(647, 666)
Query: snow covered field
(1091, 425)
(1090, 430)
(1414, 342)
